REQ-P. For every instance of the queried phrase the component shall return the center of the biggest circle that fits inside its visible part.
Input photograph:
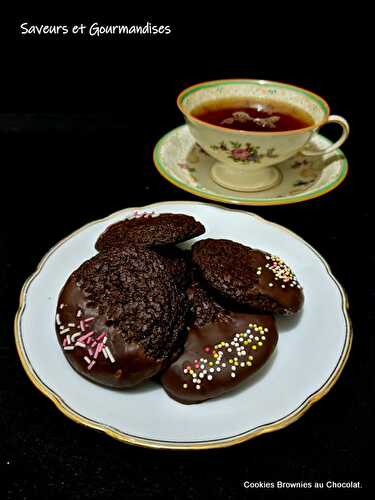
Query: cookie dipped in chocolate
(219, 356)
(248, 277)
(120, 317)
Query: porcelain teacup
(245, 160)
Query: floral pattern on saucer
(185, 164)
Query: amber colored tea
(253, 115)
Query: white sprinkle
(105, 353)
(61, 306)
(251, 337)
(105, 340)
(71, 324)
(242, 364)
(266, 329)
(263, 337)
(91, 365)
(110, 354)
(79, 313)
(282, 286)
(223, 365)
(69, 348)
(218, 369)
(87, 359)
(233, 375)
(202, 366)
(185, 370)
(270, 284)
(234, 368)
(80, 344)
(68, 339)
(209, 377)
(75, 335)
(58, 319)
(256, 338)
(201, 375)
(198, 387)
(66, 330)
(229, 349)
(212, 370)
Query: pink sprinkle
(196, 365)
(89, 319)
(94, 343)
(101, 336)
(89, 340)
(98, 349)
(65, 341)
(91, 352)
(91, 365)
(84, 337)
(207, 349)
(82, 325)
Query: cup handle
(345, 132)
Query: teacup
(246, 159)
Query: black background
(79, 119)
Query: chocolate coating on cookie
(120, 317)
(150, 230)
(220, 356)
(249, 277)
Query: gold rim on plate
(150, 443)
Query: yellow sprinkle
(260, 343)
(231, 361)
(185, 386)
(216, 355)
(249, 363)
(236, 363)
(250, 357)
(246, 342)
(191, 372)
(210, 363)
(254, 347)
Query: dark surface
(78, 125)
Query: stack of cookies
(200, 321)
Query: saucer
(185, 164)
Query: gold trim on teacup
(150, 443)
(191, 117)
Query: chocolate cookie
(220, 356)
(120, 317)
(150, 230)
(248, 277)
(203, 306)
(178, 263)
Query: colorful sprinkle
(58, 321)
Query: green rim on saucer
(182, 162)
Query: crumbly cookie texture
(149, 230)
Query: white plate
(311, 353)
